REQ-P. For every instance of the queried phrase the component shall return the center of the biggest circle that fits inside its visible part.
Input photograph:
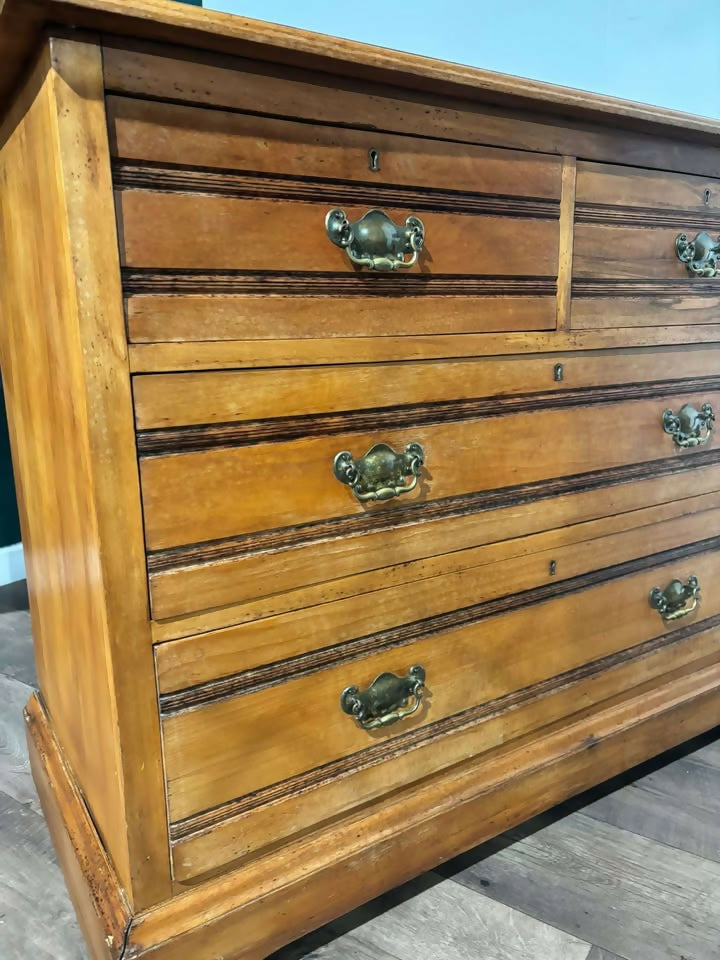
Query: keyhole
(374, 159)
(707, 196)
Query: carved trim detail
(254, 186)
(144, 282)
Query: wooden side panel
(64, 364)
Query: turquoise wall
(9, 523)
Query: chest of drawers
(362, 413)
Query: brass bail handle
(700, 255)
(677, 600)
(689, 427)
(388, 699)
(382, 473)
(375, 241)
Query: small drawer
(631, 266)
(269, 755)
(231, 209)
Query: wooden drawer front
(237, 205)
(275, 740)
(625, 269)
(241, 486)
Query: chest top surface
(24, 22)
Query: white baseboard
(12, 564)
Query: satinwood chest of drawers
(362, 411)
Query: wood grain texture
(200, 777)
(610, 252)
(189, 230)
(225, 396)
(239, 490)
(567, 228)
(648, 921)
(157, 357)
(257, 319)
(164, 73)
(164, 133)
(64, 327)
(612, 185)
(593, 313)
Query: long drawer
(239, 496)
(238, 205)
(626, 269)
(235, 765)
(200, 414)
(241, 487)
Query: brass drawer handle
(381, 474)
(699, 255)
(375, 241)
(386, 700)
(689, 428)
(672, 602)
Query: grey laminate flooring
(629, 871)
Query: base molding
(102, 909)
(249, 913)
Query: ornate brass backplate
(699, 255)
(689, 427)
(386, 700)
(677, 600)
(381, 474)
(375, 241)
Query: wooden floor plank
(597, 953)
(16, 651)
(710, 753)
(678, 805)
(36, 917)
(632, 896)
(449, 921)
(15, 778)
